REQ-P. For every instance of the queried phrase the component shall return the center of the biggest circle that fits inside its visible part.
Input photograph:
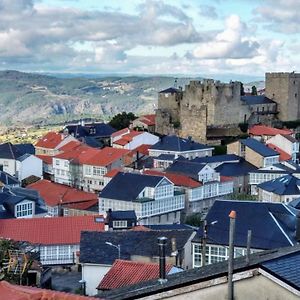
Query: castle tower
(284, 88)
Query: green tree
(254, 91)
(122, 120)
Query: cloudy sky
(185, 37)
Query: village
(152, 210)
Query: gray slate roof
(259, 147)
(127, 186)
(260, 99)
(144, 243)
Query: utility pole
(232, 217)
(204, 239)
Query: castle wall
(284, 88)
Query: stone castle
(211, 108)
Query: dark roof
(90, 129)
(169, 227)
(241, 168)
(26, 148)
(170, 90)
(216, 270)
(93, 142)
(127, 186)
(273, 225)
(122, 215)
(286, 268)
(217, 158)
(285, 185)
(23, 157)
(9, 151)
(7, 179)
(177, 144)
(93, 247)
(186, 167)
(295, 203)
(259, 147)
(252, 100)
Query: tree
(254, 91)
(122, 120)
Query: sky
(179, 37)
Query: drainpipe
(232, 217)
(162, 241)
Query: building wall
(246, 287)
(284, 88)
(30, 166)
(254, 158)
(93, 274)
(234, 148)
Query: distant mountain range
(30, 98)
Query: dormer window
(24, 209)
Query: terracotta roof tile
(112, 173)
(45, 158)
(49, 231)
(266, 130)
(143, 149)
(69, 146)
(55, 193)
(120, 132)
(124, 273)
(121, 142)
(19, 292)
(148, 119)
(51, 140)
(179, 180)
(282, 154)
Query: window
(120, 224)
(57, 162)
(66, 163)
(97, 171)
(88, 170)
(24, 209)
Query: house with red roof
(50, 143)
(72, 201)
(126, 272)
(131, 139)
(263, 133)
(145, 122)
(285, 144)
(56, 238)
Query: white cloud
(229, 43)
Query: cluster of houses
(100, 198)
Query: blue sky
(150, 37)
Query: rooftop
(125, 272)
(50, 231)
(10, 151)
(285, 185)
(50, 141)
(177, 144)
(241, 168)
(217, 158)
(266, 130)
(252, 100)
(282, 154)
(170, 90)
(259, 147)
(272, 224)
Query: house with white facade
(273, 225)
(263, 133)
(19, 164)
(272, 172)
(56, 238)
(153, 198)
(177, 146)
(50, 143)
(131, 139)
(285, 143)
(282, 189)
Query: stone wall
(254, 158)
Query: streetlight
(116, 246)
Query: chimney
(109, 221)
(162, 241)
(298, 227)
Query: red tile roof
(19, 292)
(148, 119)
(55, 193)
(282, 154)
(128, 137)
(124, 273)
(70, 146)
(143, 149)
(121, 142)
(140, 228)
(179, 180)
(120, 132)
(269, 131)
(112, 173)
(45, 158)
(50, 141)
(104, 157)
(49, 231)
(225, 178)
(77, 152)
